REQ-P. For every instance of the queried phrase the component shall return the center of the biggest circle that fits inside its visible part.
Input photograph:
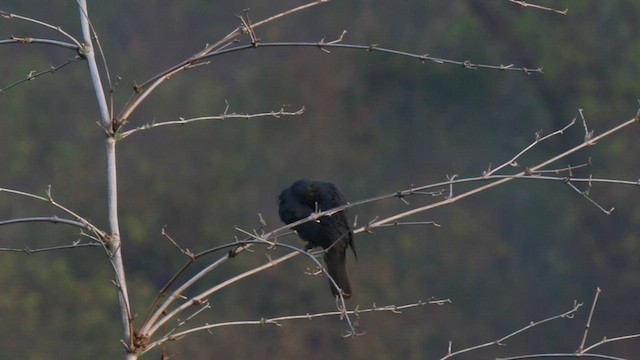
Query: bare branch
(396, 309)
(186, 252)
(582, 352)
(58, 29)
(94, 35)
(467, 64)
(539, 138)
(562, 355)
(609, 340)
(224, 116)
(89, 53)
(50, 219)
(54, 220)
(588, 324)
(88, 225)
(262, 238)
(540, 7)
(586, 196)
(30, 40)
(247, 27)
(33, 74)
(504, 180)
(568, 169)
(588, 134)
(155, 322)
(143, 90)
(75, 245)
(399, 223)
(566, 315)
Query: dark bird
(332, 232)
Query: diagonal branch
(57, 29)
(30, 40)
(582, 352)
(75, 245)
(467, 64)
(34, 74)
(505, 180)
(396, 309)
(539, 7)
(539, 139)
(162, 315)
(49, 199)
(608, 340)
(223, 116)
(155, 321)
(587, 327)
(585, 195)
(566, 315)
(224, 47)
(143, 90)
(51, 219)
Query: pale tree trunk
(112, 241)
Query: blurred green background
(374, 124)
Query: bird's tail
(337, 269)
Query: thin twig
(204, 306)
(75, 245)
(400, 223)
(153, 322)
(500, 341)
(143, 90)
(58, 29)
(562, 355)
(34, 74)
(248, 27)
(480, 189)
(396, 309)
(609, 340)
(588, 324)
(540, 7)
(467, 64)
(224, 116)
(586, 196)
(588, 134)
(582, 352)
(48, 219)
(49, 199)
(30, 40)
(537, 140)
(187, 252)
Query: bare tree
(169, 317)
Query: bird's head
(308, 190)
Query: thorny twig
(34, 74)
(396, 309)
(583, 351)
(540, 7)
(224, 116)
(566, 315)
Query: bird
(331, 232)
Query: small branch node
(469, 65)
(247, 27)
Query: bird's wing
(338, 225)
